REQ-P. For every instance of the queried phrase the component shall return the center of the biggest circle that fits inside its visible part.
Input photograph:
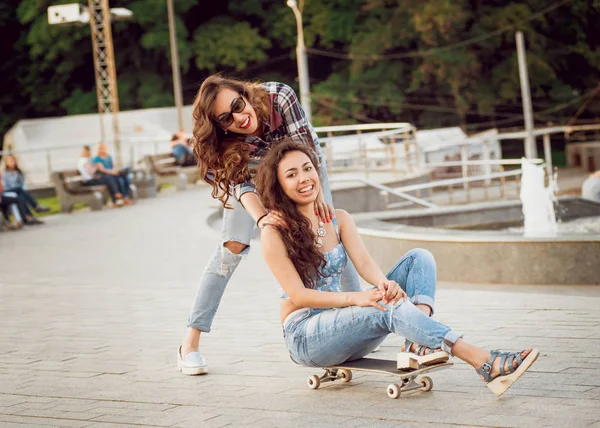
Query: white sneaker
(193, 364)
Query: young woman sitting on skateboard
(324, 326)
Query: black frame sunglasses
(237, 106)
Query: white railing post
(487, 168)
(548, 156)
(464, 158)
(49, 165)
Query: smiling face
(244, 121)
(298, 178)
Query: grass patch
(52, 203)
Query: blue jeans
(183, 155)
(238, 226)
(123, 180)
(320, 338)
(110, 181)
(17, 196)
(22, 193)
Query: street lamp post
(302, 62)
(98, 15)
(530, 146)
(175, 64)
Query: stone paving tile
(41, 421)
(115, 425)
(105, 354)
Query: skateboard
(409, 379)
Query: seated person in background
(181, 150)
(9, 198)
(104, 163)
(324, 326)
(91, 176)
(6, 201)
(591, 187)
(14, 181)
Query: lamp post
(302, 62)
(98, 15)
(530, 146)
(175, 64)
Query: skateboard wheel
(427, 383)
(345, 375)
(393, 391)
(313, 382)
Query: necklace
(321, 233)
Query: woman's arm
(90, 168)
(253, 205)
(100, 167)
(275, 254)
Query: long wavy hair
(298, 236)
(223, 158)
(16, 168)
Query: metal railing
(401, 192)
(47, 159)
(385, 188)
(400, 151)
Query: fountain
(538, 240)
(537, 201)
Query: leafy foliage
(434, 62)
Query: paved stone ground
(93, 307)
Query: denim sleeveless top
(335, 262)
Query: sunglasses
(237, 106)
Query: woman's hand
(322, 209)
(273, 218)
(391, 291)
(368, 298)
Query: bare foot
(496, 364)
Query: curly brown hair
(298, 236)
(223, 158)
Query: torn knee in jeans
(235, 247)
(232, 253)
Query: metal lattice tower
(104, 65)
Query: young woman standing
(235, 125)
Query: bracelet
(260, 218)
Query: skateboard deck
(409, 379)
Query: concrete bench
(166, 171)
(71, 190)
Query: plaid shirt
(287, 119)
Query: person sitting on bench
(181, 150)
(324, 326)
(9, 198)
(14, 181)
(92, 177)
(104, 163)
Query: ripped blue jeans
(238, 226)
(320, 338)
